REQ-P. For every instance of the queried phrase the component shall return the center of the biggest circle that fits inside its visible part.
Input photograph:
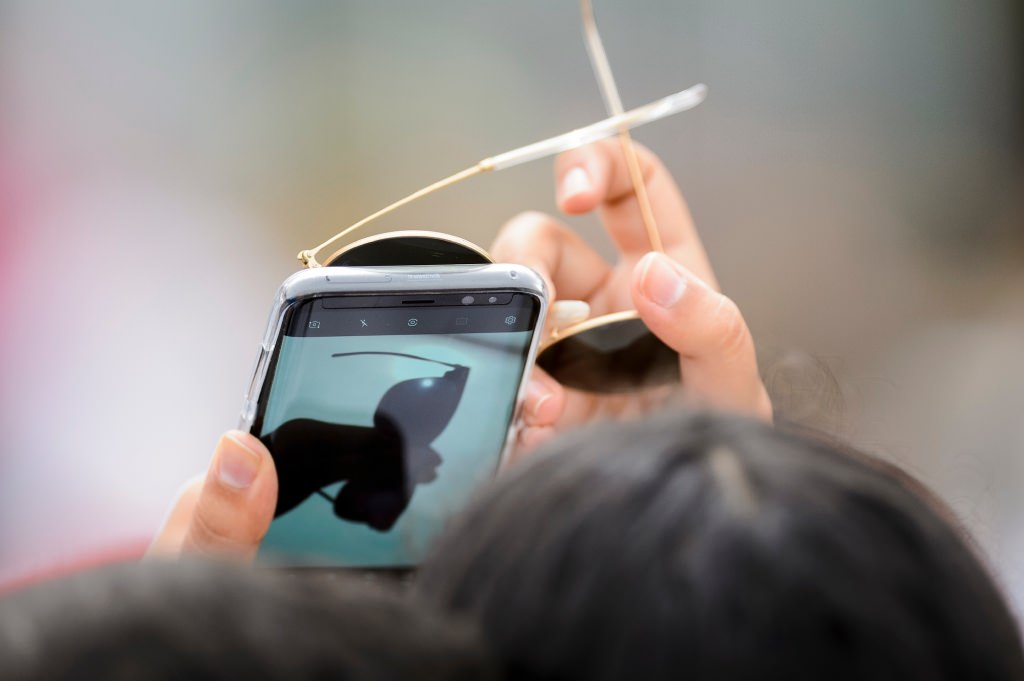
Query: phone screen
(383, 415)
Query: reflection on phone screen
(377, 439)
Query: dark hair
(197, 621)
(711, 547)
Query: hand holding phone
(215, 517)
(386, 396)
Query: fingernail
(568, 312)
(237, 465)
(576, 181)
(661, 281)
(540, 404)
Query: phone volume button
(255, 383)
(361, 278)
(248, 411)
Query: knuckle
(215, 536)
(526, 225)
(650, 164)
(649, 161)
(732, 333)
(651, 169)
(538, 221)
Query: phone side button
(358, 278)
(248, 413)
(257, 375)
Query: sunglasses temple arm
(398, 354)
(666, 106)
(613, 104)
(673, 104)
(599, 61)
(308, 257)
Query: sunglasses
(382, 464)
(613, 353)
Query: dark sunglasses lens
(408, 250)
(618, 357)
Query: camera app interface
(383, 416)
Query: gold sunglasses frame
(618, 123)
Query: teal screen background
(309, 383)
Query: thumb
(716, 351)
(236, 502)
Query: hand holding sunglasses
(644, 320)
(675, 293)
(716, 353)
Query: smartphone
(386, 397)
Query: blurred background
(857, 174)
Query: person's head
(712, 547)
(196, 621)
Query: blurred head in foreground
(196, 621)
(710, 547)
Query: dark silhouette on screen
(380, 465)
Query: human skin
(228, 511)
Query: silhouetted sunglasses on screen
(608, 354)
(381, 464)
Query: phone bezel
(412, 280)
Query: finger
(529, 440)
(171, 535)
(544, 401)
(597, 176)
(572, 268)
(237, 500)
(565, 313)
(716, 351)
